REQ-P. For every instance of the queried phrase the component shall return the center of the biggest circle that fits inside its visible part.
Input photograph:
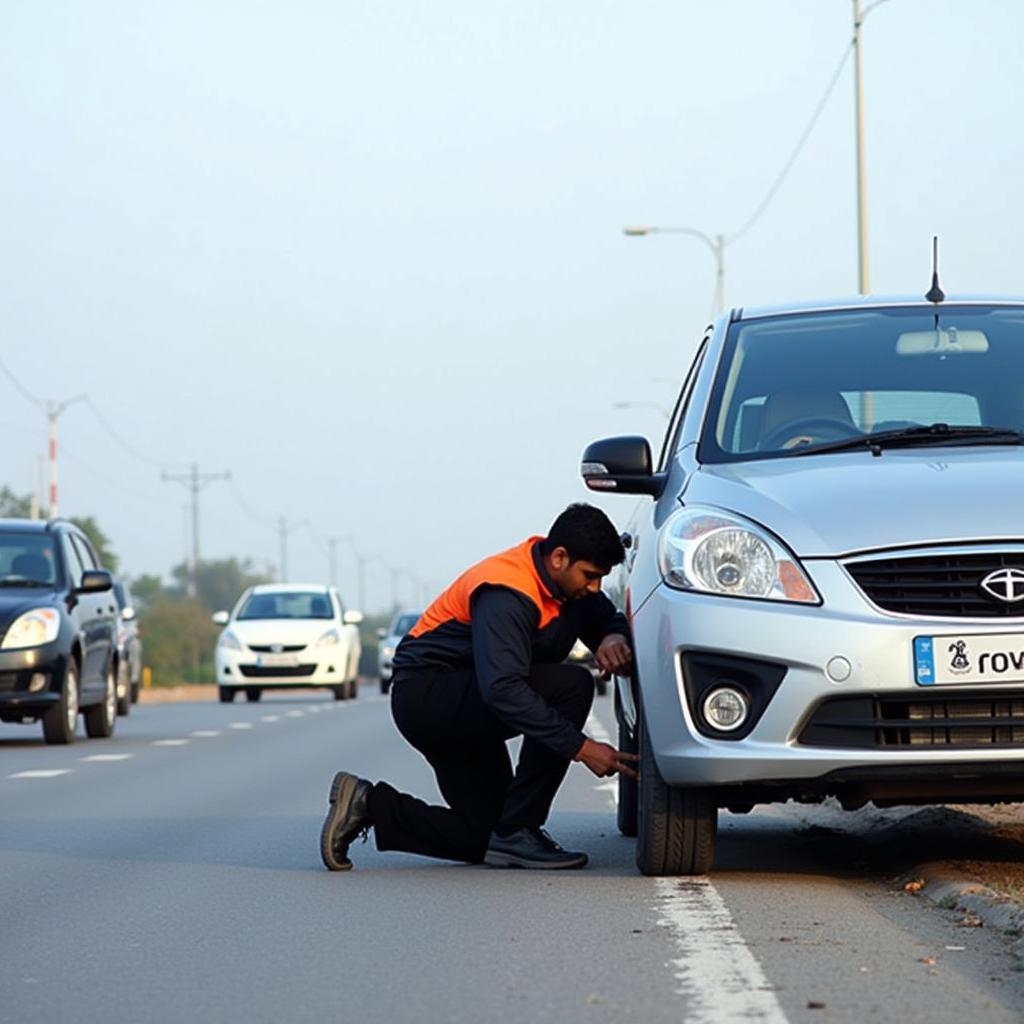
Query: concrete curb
(952, 891)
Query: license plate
(277, 661)
(977, 658)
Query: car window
(403, 623)
(73, 560)
(840, 375)
(682, 402)
(287, 604)
(27, 556)
(85, 553)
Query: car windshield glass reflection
(403, 624)
(838, 381)
(287, 605)
(27, 560)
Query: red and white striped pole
(52, 416)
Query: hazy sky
(368, 256)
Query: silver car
(826, 580)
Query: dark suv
(58, 630)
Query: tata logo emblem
(277, 648)
(1005, 585)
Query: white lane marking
(271, 718)
(40, 773)
(314, 709)
(716, 972)
(240, 725)
(107, 757)
(169, 743)
(295, 714)
(205, 732)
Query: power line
(124, 444)
(25, 393)
(756, 215)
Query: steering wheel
(807, 430)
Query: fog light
(37, 682)
(726, 708)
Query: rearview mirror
(220, 618)
(381, 632)
(352, 618)
(944, 341)
(128, 613)
(95, 581)
(621, 464)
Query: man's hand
(613, 654)
(603, 759)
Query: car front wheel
(124, 691)
(226, 694)
(253, 694)
(100, 718)
(60, 721)
(676, 826)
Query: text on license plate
(276, 660)
(979, 658)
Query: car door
(98, 618)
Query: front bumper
(803, 640)
(311, 667)
(17, 669)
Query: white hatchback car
(286, 636)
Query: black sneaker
(347, 818)
(530, 848)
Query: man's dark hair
(586, 533)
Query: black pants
(444, 717)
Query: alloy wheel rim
(72, 701)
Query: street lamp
(716, 245)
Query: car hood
(839, 503)
(15, 600)
(282, 631)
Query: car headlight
(31, 629)
(329, 639)
(387, 652)
(718, 552)
(230, 641)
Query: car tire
(226, 694)
(253, 694)
(353, 689)
(135, 693)
(675, 826)
(340, 692)
(124, 700)
(626, 812)
(100, 718)
(60, 721)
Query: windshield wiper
(20, 581)
(917, 437)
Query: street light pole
(53, 410)
(863, 283)
(716, 245)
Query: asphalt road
(172, 873)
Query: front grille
(8, 682)
(947, 586)
(283, 649)
(978, 719)
(276, 671)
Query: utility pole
(863, 282)
(53, 410)
(195, 482)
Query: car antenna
(935, 293)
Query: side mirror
(128, 613)
(621, 464)
(381, 632)
(95, 581)
(220, 618)
(352, 618)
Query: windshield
(27, 558)
(787, 384)
(291, 604)
(403, 623)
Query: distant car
(582, 655)
(287, 636)
(58, 630)
(129, 646)
(389, 640)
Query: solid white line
(107, 757)
(271, 718)
(40, 773)
(240, 725)
(205, 732)
(717, 974)
(169, 743)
